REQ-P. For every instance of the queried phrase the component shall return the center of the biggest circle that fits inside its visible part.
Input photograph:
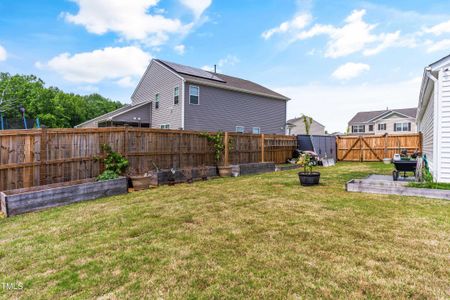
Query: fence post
(125, 142)
(43, 157)
(262, 147)
(226, 144)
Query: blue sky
(333, 58)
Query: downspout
(436, 137)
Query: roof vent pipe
(215, 69)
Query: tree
(52, 106)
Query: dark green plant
(217, 140)
(107, 175)
(114, 163)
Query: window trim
(382, 127)
(359, 126)
(198, 96)
(178, 88)
(259, 130)
(238, 126)
(371, 126)
(162, 126)
(157, 100)
(402, 129)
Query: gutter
(436, 125)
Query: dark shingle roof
(365, 116)
(220, 80)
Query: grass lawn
(248, 237)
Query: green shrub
(115, 164)
(107, 175)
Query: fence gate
(376, 147)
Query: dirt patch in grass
(261, 236)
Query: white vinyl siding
(426, 127)
(444, 126)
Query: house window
(382, 126)
(240, 129)
(165, 126)
(194, 93)
(256, 130)
(176, 95)
(156, 101)
(358, 128)
(405, 126)
(370, 127)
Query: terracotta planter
(224, 171)
(141, 182)
(309, 179)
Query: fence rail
(43, 156)
(376, 147)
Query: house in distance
(174, 96)
(298, 126)
(392, 121)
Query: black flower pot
(308, 179)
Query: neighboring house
(392, 121)
(182, 97)
(433, 118)
(297, 126)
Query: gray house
(174, 96)
(398, 121)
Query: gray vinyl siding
(224, 110)
(159, 80)
(142, 112)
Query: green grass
(248, 237)
(430, 185)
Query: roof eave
(281, 97)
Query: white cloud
(126, 82)
(350, 70)
(3, 53)
(197, 6)
(439, 29)
(335, 105)
(119, 64)
(229, 60)
(129, 19)
(180, 49)
(438, 46)
(297, 23)
(355, 35)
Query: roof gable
(371, 116)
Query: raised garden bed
(256, 168)
(287, 167)
(387, 187)
(19, 201)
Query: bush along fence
(376, 147)
(46, 156)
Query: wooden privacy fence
(376, 147)
(43, 156)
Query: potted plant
(217, 140)
(308, 177)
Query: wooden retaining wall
(45, 156)
(376, 147)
